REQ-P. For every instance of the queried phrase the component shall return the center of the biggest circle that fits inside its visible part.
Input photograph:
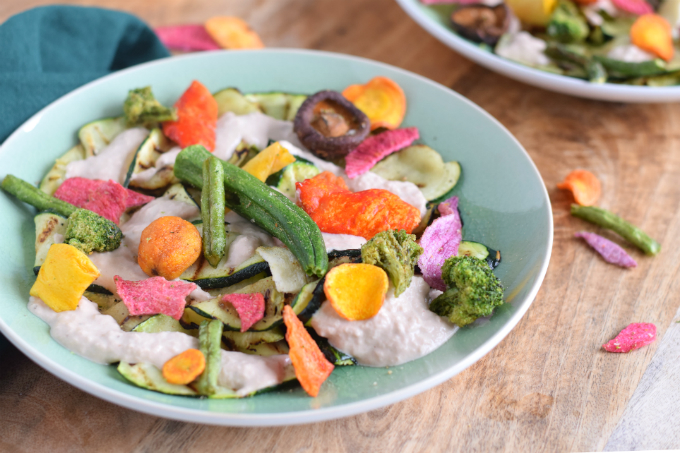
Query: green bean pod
(627, 69)
(30, 194)
(210, 340)
(212, 211)
(611, 221)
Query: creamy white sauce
(403, 330)
(99, 338)
(629, 53)
(342, 241)
(165, 160)
(113, 161)
(250, 238)
(405, 190)
(254, 129)
(523, 48)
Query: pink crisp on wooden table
(189, 38)
(610, 251)
(634, 336)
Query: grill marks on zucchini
(96, 135)
(270, 210)
(281, 106)
(57, 174)
(145, 158)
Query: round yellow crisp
(356, 291)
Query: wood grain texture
(548, 386)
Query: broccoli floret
(567, 24)
(396, 252)
(142, 109)
(90, 232)
(474, 290)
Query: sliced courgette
(57, 174)
(47, 226)
(149, 377)
(335, 356)
(266, 349)
(232, 100)
(180, 193)
(121, 314)
(162, 323)
(309, 299)
(96, 135)
(481, 251)
(225, 312)
(237, 341)
(282, 106)
(298, 171)
(222, 276)
(103, 301)
(422, 166)
(145, 158)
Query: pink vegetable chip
(154, 295)
(439, 242)
(186, 37)
(107, 198)
(634, 336)
(611, 252)
(638, 7)
(376, 147)
(250, 308)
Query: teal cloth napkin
(49, 51)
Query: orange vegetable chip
(196, 118)
(356, 291)
(232, 33)
(381, 99)
(184, 367)
(311, 366)
(584, 185)
(652, 33)
(335, 209)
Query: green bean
(212, 211)
(611, 221)
(626, 69)
(30, 194)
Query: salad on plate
(632, 42)
(235, 243)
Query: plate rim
(536, 77)
(283, 418)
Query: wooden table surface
(548, 386)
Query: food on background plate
(222, 252)
(629, 42)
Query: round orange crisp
(168, 246)
(185, 367)
(356, 290)
(584, 185)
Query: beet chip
(632, 337)
(250, 308)
(188, 38)
(107, 198)
(376, 147)
(439, 242)
(154, 295)
(611, 252)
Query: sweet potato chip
(154, 295)
(356, 291)
(250, 308)
(232, 33)
(653, 33)
(311, 366)
(611, 252)
(634, 336)
(188, 38)
(584, 186)
(439, 242)
(377, 147)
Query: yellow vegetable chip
(356, 291)
(232, 33)
(64, 277)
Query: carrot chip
(610, 251)
(377, 147)
(250, 308)
(634, 336)
(154, 295)
(584, 186)
(440, 241)
(311, 366)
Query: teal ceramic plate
(435, 20)
(503, 201)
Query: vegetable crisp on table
(220, 247)
(630, 42)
